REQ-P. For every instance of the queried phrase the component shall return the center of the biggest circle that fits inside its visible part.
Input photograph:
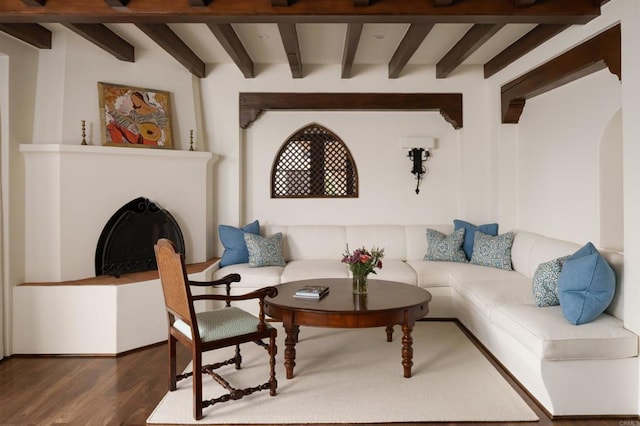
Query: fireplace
(127, 240)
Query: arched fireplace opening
(127, 240)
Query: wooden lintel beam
(449, 105)
(106, 39)
(303, 11)
(522, 46)
(289, 37)
(521, 3)
(33, 34)
(597, 53)
(361, 3)
(34, 3)
(278, 3)
(234, 48)
(469, 43)
(412, 39)
(117, 3)
(199, 3)
(170, 42)
(354, 31)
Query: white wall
(559, 158)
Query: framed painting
(134, 116)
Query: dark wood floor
(124, 391)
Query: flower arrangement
(362, 261)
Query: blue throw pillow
(470, 234)
(586, 285)
(545, 282)
(235, 248)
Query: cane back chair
(212, 329)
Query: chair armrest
(227, 280)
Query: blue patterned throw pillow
(545, 282)
(493, 251)
(265, 251)
(445, 248)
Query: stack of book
(311, 292)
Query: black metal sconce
(418, 156)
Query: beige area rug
(356, 376)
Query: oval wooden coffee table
(386, 304)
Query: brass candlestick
(84, 141)
(191, 140)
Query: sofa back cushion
(303, 242)
(530, 250)
(392, 238)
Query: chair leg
(197, 384)
(238, 357)
(172, 363)
(272, 365)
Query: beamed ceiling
(446, 34)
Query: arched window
(314, 163)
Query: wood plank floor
(124, 391)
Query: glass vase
(359, 284)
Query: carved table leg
(407, 349)
(292, 331)
(389, 333)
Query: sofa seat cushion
(318, 268)
(395, 270)
(548, 335)
(432, 273)
(251, 277)
(471, 272)
(487, 295)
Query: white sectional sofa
(589, 369)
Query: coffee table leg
(292, 331)
(407, 349)
(389, 333)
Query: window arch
(314, 163)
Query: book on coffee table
(311, 292)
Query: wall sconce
(418, 153)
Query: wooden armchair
(205, 331)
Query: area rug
(356, 376)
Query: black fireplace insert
(127, 240)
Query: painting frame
(133, 116)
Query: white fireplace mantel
(73, 190)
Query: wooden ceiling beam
(442, 2)
(234, 48)
(199, 3)
(362, 3)
(469, 43)
(412, 39)
(354, 31)
(172, 44)
(522, 46)
(595, 54)
(449, 105)
(106, 39)
(289, 37)
(33, 34)
(522, 3)
(301, 11)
